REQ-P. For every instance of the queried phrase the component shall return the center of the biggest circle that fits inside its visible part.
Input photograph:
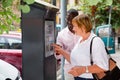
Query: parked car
(11, 49)
(8, 72)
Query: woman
(80, 55)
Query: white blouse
(80, 55)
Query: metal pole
(110, 15)
(63, 12)
(109, 22)
(63, 24)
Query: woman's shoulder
(93, 35)
(98, 41)
(96, 38)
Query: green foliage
(108, 2)
(96, 2)
(115, 20)
(93, 2)
(25, 5)
(25, 8)
(102, 14)
(29, 1)
(7, 15)
(6, 3)
(99, 11)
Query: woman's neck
(85, 36)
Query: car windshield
(8, 41)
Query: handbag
(112, 74)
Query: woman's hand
(77, 71)
(57, 49)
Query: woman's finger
(56, 46)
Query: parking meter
(105, 32)
(38, 33)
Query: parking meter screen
(104, 32)
(49, 37)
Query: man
(67, 40)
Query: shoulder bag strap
(91, 50)
(91, 60)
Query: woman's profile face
(77, 29)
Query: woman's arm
(59, 50)
(78, 70)
(95, 69)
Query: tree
(98, 10)
(8, 17)
(102, 14)
(95, 8)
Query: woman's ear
(84, 29)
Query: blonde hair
(83, 20)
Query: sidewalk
(116, 57)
